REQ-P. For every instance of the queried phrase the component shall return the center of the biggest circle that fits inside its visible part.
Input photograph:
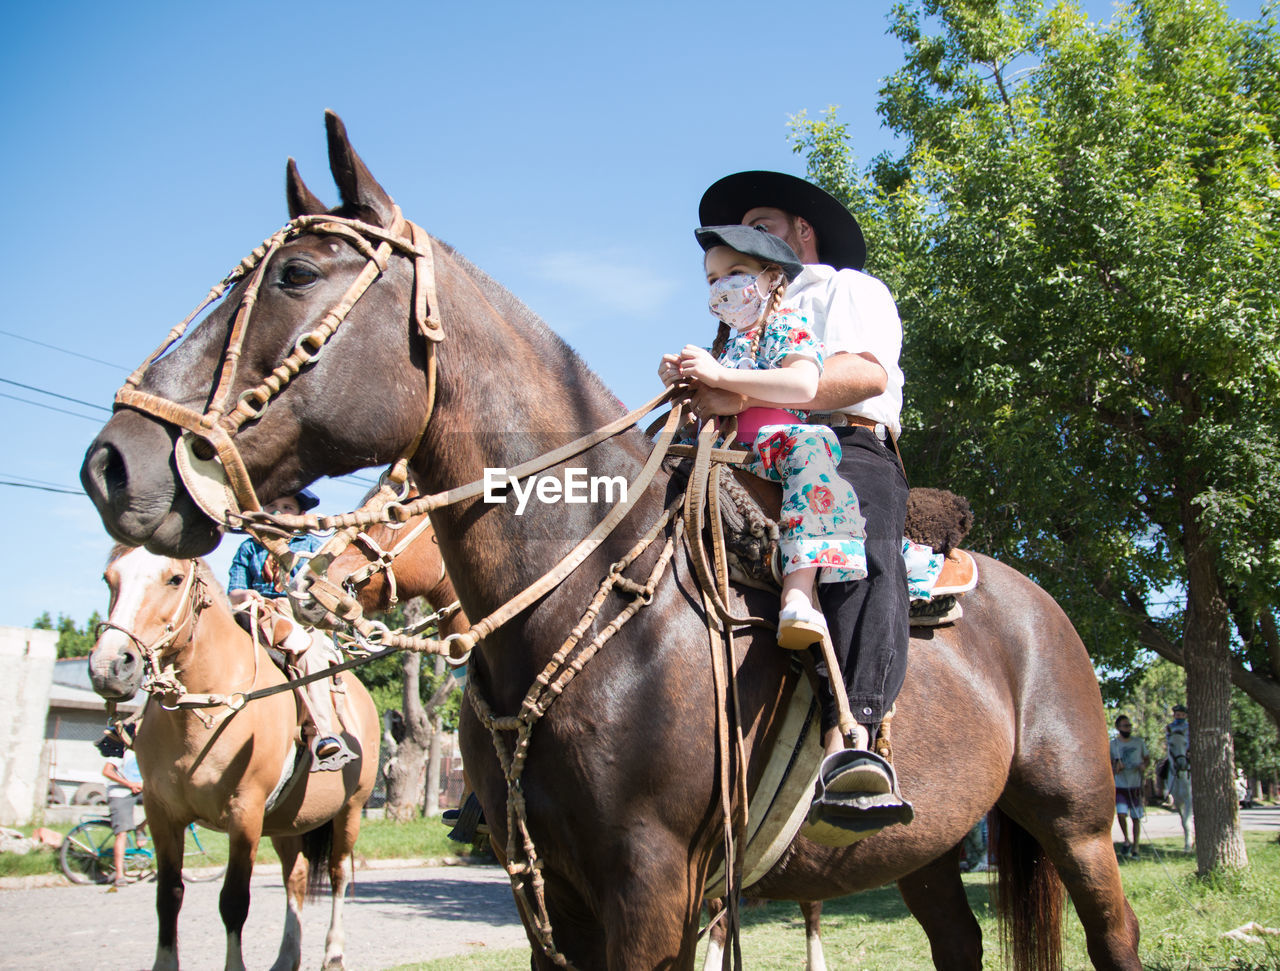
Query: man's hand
(135, 787)
(710, 403)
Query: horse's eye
(299, 274)
(175, 580)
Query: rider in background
(1129, 760)
(254, 576)
(1179, 726)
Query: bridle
(213, 431)
(379, 560)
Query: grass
(1182, 920)
(379, 839)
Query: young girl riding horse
(765, 351)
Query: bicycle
(88, 855)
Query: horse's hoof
(334, 964)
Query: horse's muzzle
(116, 675)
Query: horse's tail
(1029, 898)
(317, 847)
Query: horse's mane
(555, 350)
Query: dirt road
(395, 916)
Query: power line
(55, 347)
(54, 394)
(40, 488)
(41, 404)
(27, 478)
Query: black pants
(869, 618)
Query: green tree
(1081, 234)
(72, 641)
(1257, 742)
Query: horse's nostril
(113, 471)
(105, 470)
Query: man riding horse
(860, 396)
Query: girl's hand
(696, 364)
(669, 369)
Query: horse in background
(387, 563)
(240, 770)
(1179, 782)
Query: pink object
(752, 420)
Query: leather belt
(840, 419)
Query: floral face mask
(737, 300)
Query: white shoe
(800, 625)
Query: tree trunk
(431, 807)
(406, 772)
(1206, 649)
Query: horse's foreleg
(346, 827)
(233, 902)
(293, 866)
(715, 936)
(650, 914)
(166, 839)
(815, 960)
(935, 896)
(1184, 811)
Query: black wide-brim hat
(753, 241)
(840, 241)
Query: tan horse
(235, 771)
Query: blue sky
(562, 146)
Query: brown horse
(386, 564)
(235, 771)
(620, 789)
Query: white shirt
(854, 313)
(127, 767)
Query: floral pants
(821, 524)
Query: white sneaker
(800, 625)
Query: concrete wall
(26, 660)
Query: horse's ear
(302, 201)
(359, 189)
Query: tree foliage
(1081, 234)
(385, 679)
(72, 641)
